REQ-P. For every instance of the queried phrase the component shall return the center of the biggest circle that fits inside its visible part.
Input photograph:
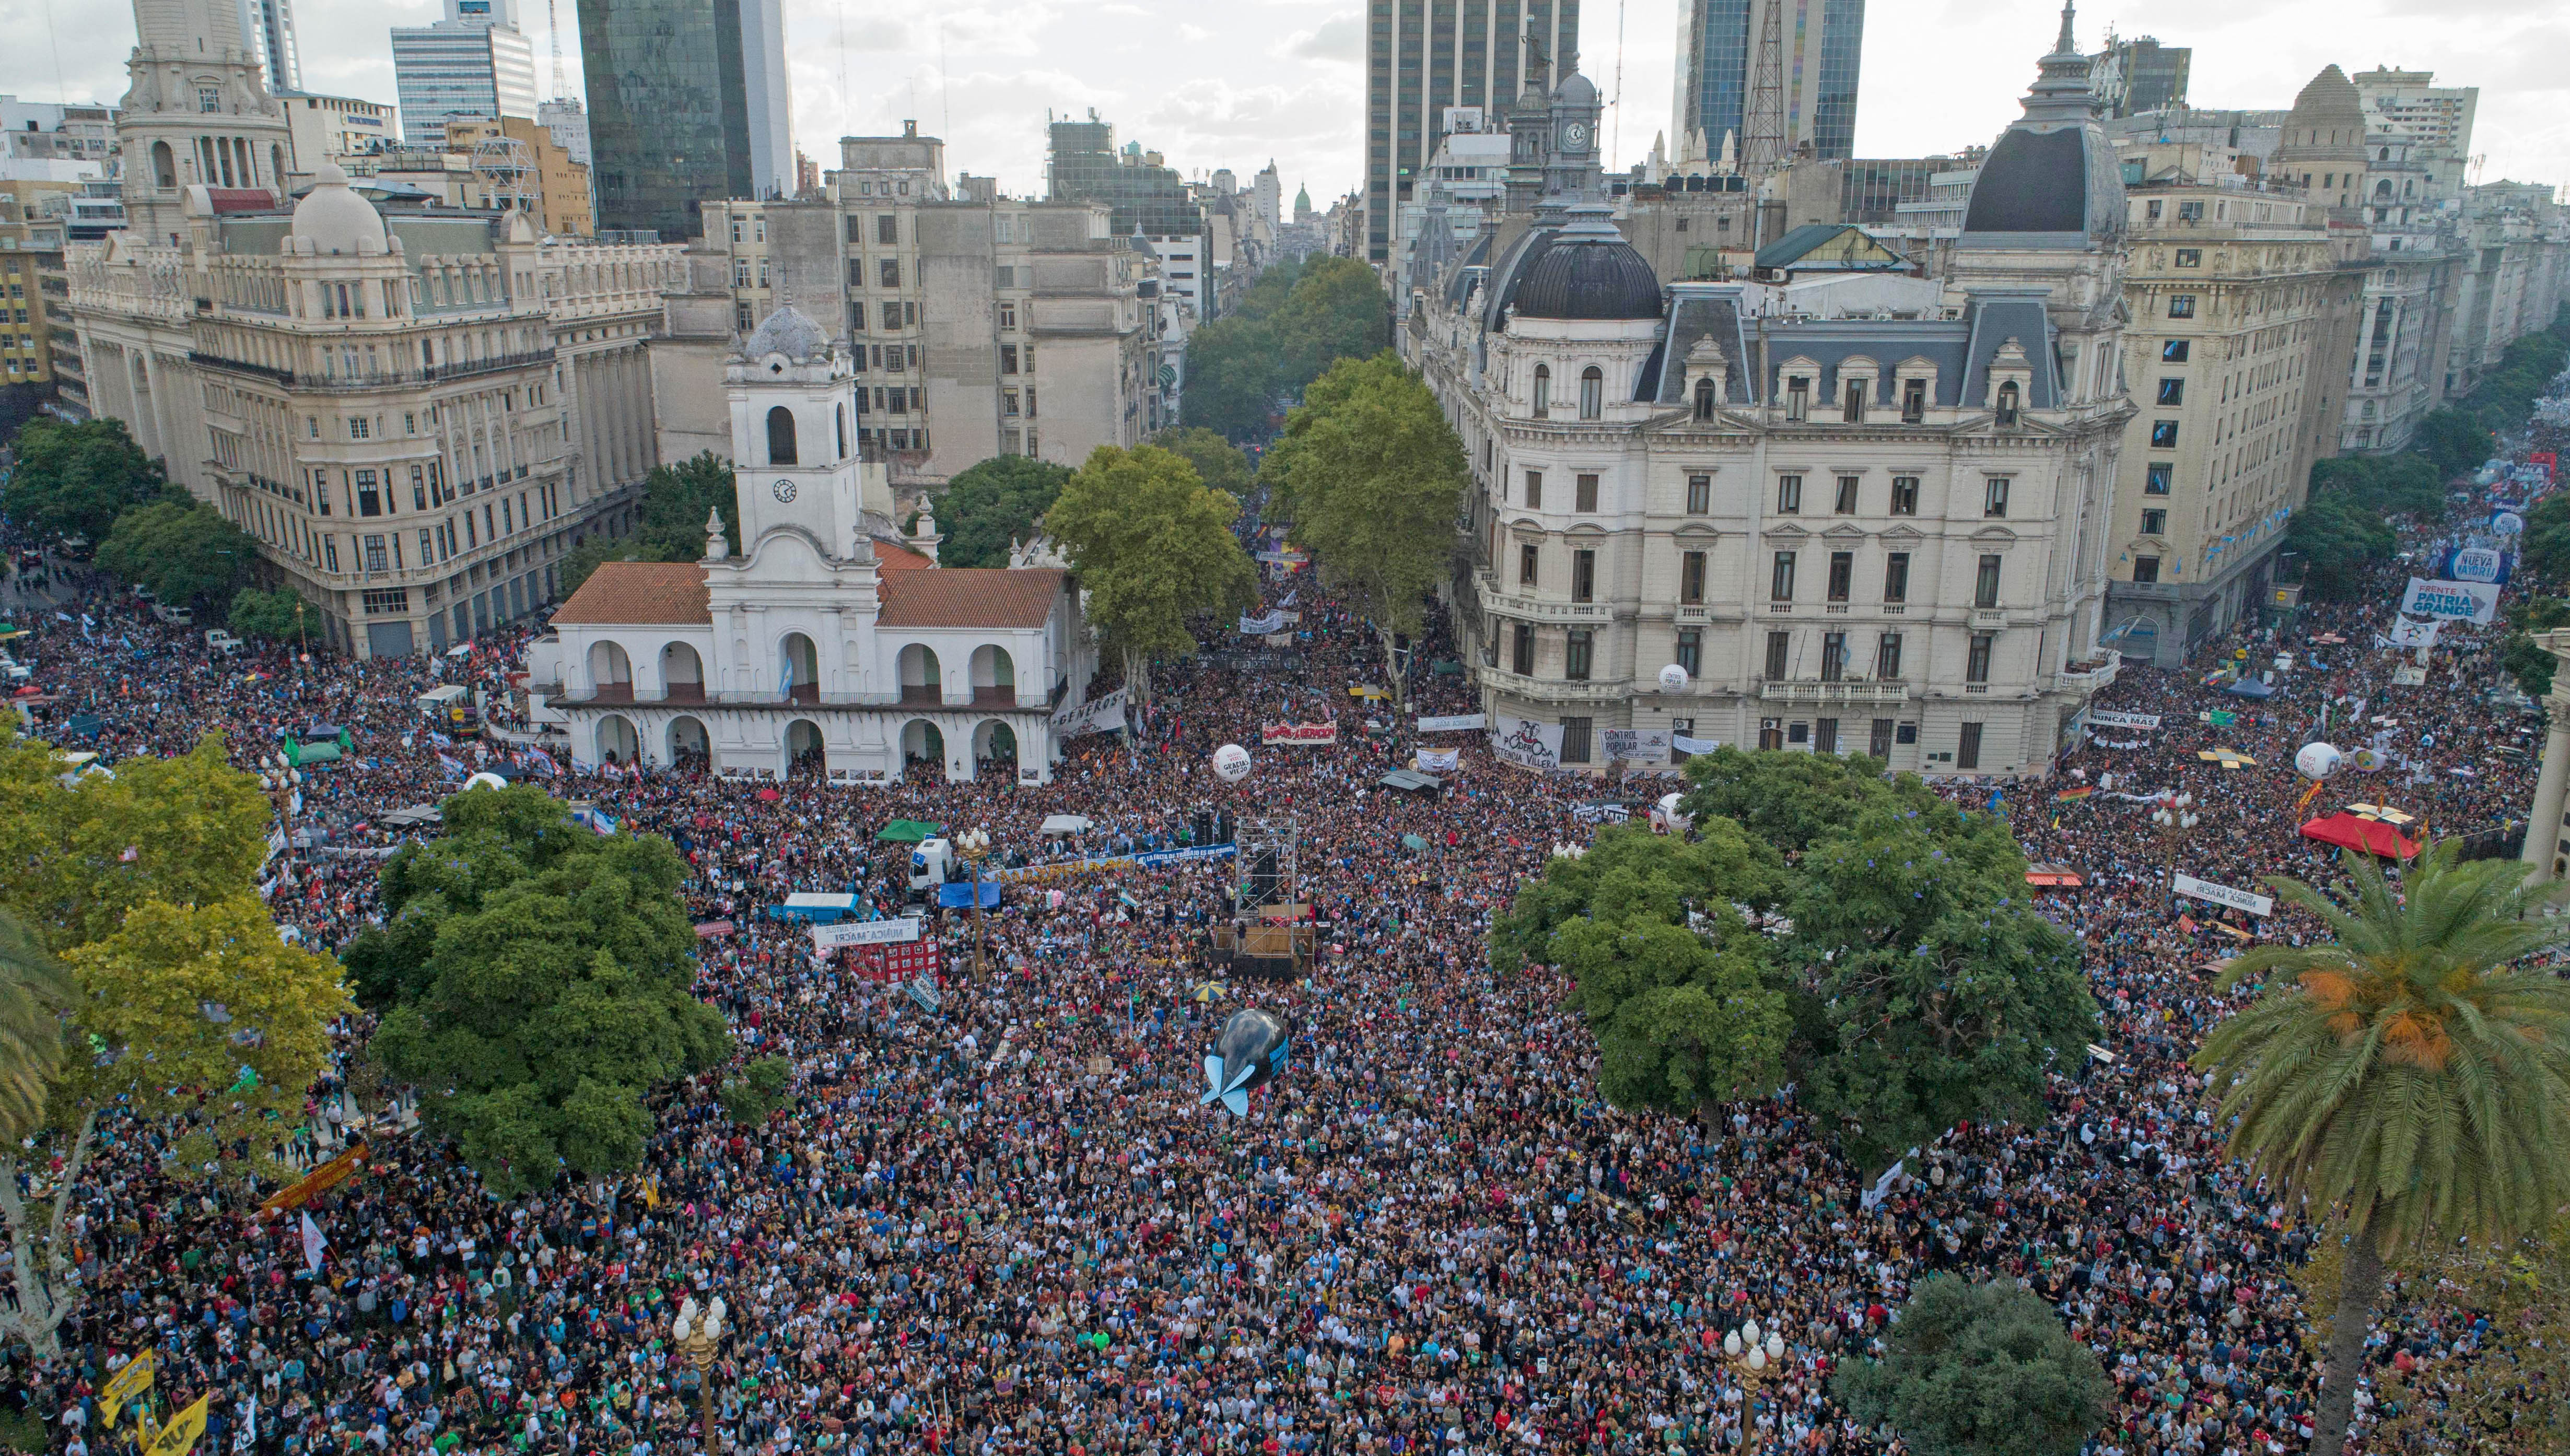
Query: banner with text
(1527, 743)
(1106, 715)
(1683, 744)
(865, 933)
(1635, 745)
(2206, 890)
(1454, 723)
(1262, 624)
(1305, 735)
(1437, 760)
(2406, 633)
(2471, 601)
(2100, 718)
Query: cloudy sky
(1233, 84)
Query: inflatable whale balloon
(1249, 1054)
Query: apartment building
(34, 226)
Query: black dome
(1587, 277)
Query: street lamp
(1754, 1361)
(973, 845)
(281, 779)
(2174, 815)
(695, 1337)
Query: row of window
(1904, 500)
(1579, 645)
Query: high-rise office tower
(2137, 73)
(267, 28)
(1423, 58)
(474, 63)
(688, 101)
(1817, 45)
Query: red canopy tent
(2372, 835)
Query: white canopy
(1066, 823)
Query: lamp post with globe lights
(2175, 816)
(974, 846)
(696, 1334)
(280, 780)
(1754, 1359)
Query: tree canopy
(670, 526)
(272, 616)
(991, 504)
(182, 549)
(1296, 321)
(1372, 477)
(538, 978)
(1218, 462)
(2338, 538)
(1980, 1369)
(76, 479)
(1152, 545)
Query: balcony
(2091, 677)
(1556, 691)
(1848, 693)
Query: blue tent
(2250, 687)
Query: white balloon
(486, 781)
(1671, 815)
(1673, 680)
(2366, 760)
(1231, 763)
(2318, 760)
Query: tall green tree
(671, 526)
(539, 982)
(182, 549)
(1218, 463)
(2407, 1079)
(1337, 312)
(1152, 546)
(76, 479)
(1372, 477)
(1792, 800)
(1232, 380)
(1980, 1369)
(2452, 440)
(993, 503)
(280, 617)
(2545, 547)
(2338, 538)
(188, 830)
(35, 990)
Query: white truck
(931, 864)
(223, 643)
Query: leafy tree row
(1296, 321)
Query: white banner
(2475, 563)
(1529, 744)
(1262, 624)
(1106, 715)
(1454, 723)
(2100, 718)
(1635, 745)
(2406, 633)
(2189, 886)
(1601, 813)
(2409, 677)
(1437, 760)
(2473, 601)
(864, 932)
(1684, 744)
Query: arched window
(780, 436)
(2007, 403)
(1593, 393)
(1542, 390)
(1704, 399)
(165, 166)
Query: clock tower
(1570, 172)
(794, 438)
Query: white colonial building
(827, 645)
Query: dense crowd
(1007, 1225)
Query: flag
(440, 739)
(542, 760)
(124, 1385)
(2186, 924)
(182, 1432)
(313, 1244)
(452, 764)
(2067, 795)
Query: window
(2191, 257)
(2155, 523)
(1705, 399)
(1852, 400)
(1834, 651)
(1771, 733)
(1575, 647)
(1593, 393)
(2146, 571)
(1691, 579)
(2173, 351)
(1526, 557)
(1887, 658)
(1913, 401)
(1842, 574)
(1994, 494)
(1583, 575)
(1574, 740)
(1778, 646)
(1584, 495)
(2155, 476)
(780, 436)
(208, 100)
(1535, 489)
(1905, 495)
(2181, 305)
(1896, 576)
(887, 229)
(1985, 583)
(2164, 434)
(427, 548)
(1690, 653)
(1967, 747)
(375, 559)
(1878, 742)
(1798, 399)
(387, 603)
(2192, 212)
(888, 272)
(1542, 390)
(357, 427)
(2008, 397)
(1798, 733)
(331, 553)
(1976, 659)
(1699, 495)
(1789, 495)
(1521, 651)
(418, 489)
(1780, 584)
(370, 503)
(2172, 391)
(1007, 315)
(1825, 737)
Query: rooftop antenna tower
(1763, 150)
(553, 35)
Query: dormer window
(1913, 401)
(1704, 399)
(1852, 400)
(1798, 399)
(2008, 403)
(1542, 390)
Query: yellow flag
(124, 1385)
(182, 1432)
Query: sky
(1235, 84)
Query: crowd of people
(1008, 1224)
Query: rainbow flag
(2067, 795)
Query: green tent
(306, 755)
(909, 830)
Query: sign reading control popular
(2471, 601)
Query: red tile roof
(892, 557)
(969, 596)
(620, 593)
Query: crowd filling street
(1008, 1223)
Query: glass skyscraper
(1424, 56)
(686, 101)
(474, 63)
(1823, 44)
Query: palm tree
(34, 990)
(2411, 1076)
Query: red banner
(1299, 733)
(906, 960)
(319, 1182)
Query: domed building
(1863, 511)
